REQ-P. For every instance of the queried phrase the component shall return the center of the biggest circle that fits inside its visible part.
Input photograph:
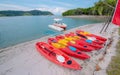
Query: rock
(97, 68)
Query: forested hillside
(24, 13)
(103, 7)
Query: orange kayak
(57, 56)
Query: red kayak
(57, 56)
(82, 42)
(94, 40)
(83, 33)
(75, 44)
(70, 50)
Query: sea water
(14, 30)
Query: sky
(54, 6)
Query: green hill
(102, 7)
(24, 13)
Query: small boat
(83, 41)
(58, 25)
(55, 28)
(84, 33)
(70, 50)
(66, 41)
(57, 56)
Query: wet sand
(23, 59)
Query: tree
(102, 7)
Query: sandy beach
(23, 59)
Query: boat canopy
(57, 19)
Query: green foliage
(103, 7)
(111, 2)
(69, 12)
(24, 13)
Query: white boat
(56, 28)
(58, 25)
(61, 25)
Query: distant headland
(24, 13)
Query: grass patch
(114, 66)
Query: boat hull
(55, 28)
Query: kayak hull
(91, 35)
(83, 41)
(76, 53)
(82, 47)
(68, 63)
(97, 41)
(96, 46)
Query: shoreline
(72, 16)
(86, 16)
(49, 35)
(24, 59)
(25, 16)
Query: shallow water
(14, 30)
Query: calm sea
(14, 30)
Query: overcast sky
(54, 6)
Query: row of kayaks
(72, 44)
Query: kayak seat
(73, 42)
(69, 62)
(72, 48)
(89, 41)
